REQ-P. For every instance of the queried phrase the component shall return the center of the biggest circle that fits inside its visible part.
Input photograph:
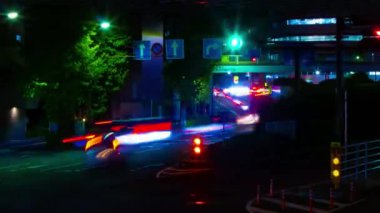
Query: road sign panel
(141, 50)
(157, 49)
(212, 48)
(175, 49)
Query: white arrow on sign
(174, 47)
(213, 46)
(142, 47)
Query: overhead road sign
(141, 50)
(212, 48)
(157, 49)
(175, 49)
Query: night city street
(60, 181)
(258, 106)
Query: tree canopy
(75, 74)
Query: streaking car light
(145, 128)
(79, 138)
(115, 144)
(117, 128)
(276, 89)
(143, 137)
(237, 102)
(104, 154)
(107, 135)
(260, 91)
(93, 142)
(206, 128)
(103, 122)
(248, 119)
(245, 108)
(237, 91)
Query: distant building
(315, 39)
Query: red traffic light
(377, 32)
(197, 150)
(197, 141)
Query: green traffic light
(12, 15)
(235, 42)
(105, 25)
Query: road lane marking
(252, 209)
(149, 150)
(61, 167)
(36, 166)
(15, 166)
(171, 171)
(147, 166)
(348, 205)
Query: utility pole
(297, 76)
(340, 88)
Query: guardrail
(360, 159)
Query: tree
(190, 78)
(74, 74)
(100, 59)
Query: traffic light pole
(297, 76)
(340, 130)
(212, 101)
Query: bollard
(331, 198)
(283, 203)
(352, 192)
(258, 195)
(310, 200)
(271, 188)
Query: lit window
(312, 21)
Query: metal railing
(360, 159)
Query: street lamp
(105, 25)
(12, 15)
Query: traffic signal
(377, 32)
(236, 79)
(197, 146)
(336, 161)
(235, 42)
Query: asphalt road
(61, 181)
(35, 180)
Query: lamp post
(105, 25)
(12, 15)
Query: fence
(360, 159)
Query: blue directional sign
(175, 49)
(212, 48)
(141, 50)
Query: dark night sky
(362, 9)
